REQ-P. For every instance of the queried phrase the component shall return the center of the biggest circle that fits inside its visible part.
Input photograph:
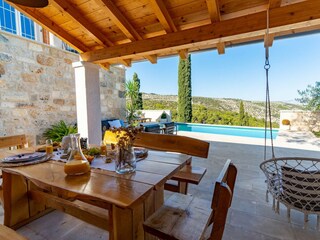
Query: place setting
(40, 155)
(23, 159)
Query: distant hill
(253, 108)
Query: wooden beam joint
(183, 53)
(152, 58)
(221, 47)
(268, 39)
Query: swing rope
(267, 104)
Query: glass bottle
(77, 163)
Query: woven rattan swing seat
(294, 182)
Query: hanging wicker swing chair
(292, 181)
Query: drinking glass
(49, 146)
(103, 149)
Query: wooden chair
(187, 217)
(17, 141)
(9, 234)
(173, 143)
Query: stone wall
(301, 120)
(37, 88)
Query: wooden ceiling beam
(183, 53)
(243, 27)
(124, 25)
(67, 8)
(214, 11)
(152, 58)
(163, 16)
(119, 19)
(274, 3)
(221, 47)
(52, 27)
(252, 10)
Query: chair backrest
(301, 188)
(172, 143)
(294, 181)
(170, 128)
(18, 141)
(222, 198)
(105, 125)
(155, 128)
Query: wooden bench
(188, 174)
(187, 217)
(173, 143)
(9, 234)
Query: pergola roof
(121, 31)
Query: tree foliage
(138, 104)
(310, 97)
(243, 116)
(184, 90)
(132, 96)
(202, 114)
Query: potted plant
(286, 124)
(57, 131)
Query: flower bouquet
(125, 161)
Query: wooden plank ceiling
(122, 31)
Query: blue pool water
(226, 130)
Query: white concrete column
(88, 101)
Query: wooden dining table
(118, 203)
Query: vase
(125, 161)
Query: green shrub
(57, 131)
(317, 134)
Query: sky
(239, 73)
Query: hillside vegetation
(219, 110)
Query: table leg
(127, 223)
(19, 209)
(15, 199)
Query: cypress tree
(184, 91)
(241, 114)
(138, 103)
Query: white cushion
(114, 124)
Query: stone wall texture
(37, 88)
(301, 120)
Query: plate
(24, 157)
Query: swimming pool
(226, 130)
